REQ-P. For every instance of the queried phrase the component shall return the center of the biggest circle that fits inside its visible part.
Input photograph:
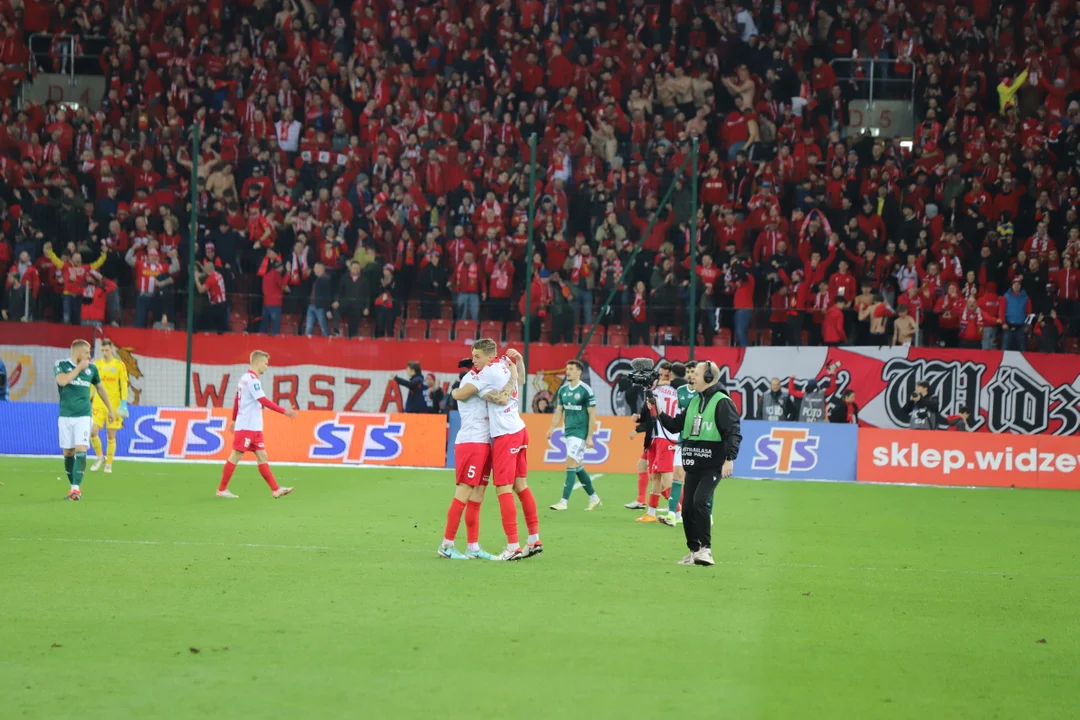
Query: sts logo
(555, 453)
(358, 438)
(786, 450)
(178, 433)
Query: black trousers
(697, 494)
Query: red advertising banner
(613, 451)
(968, 459)
(328, 438)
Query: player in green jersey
(575, 410)
(685, 394)
(75, 377)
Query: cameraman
(922, 408)
(711, 434)
(635, 398)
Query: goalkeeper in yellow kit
(114, 377)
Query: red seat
(290, 324)
(413, 329)
(1072, 345)
(367, 328)
(412, 309)
(466, 330)
(723, 338)
(446, 311)
(618, 336)
(597, 337)
(238, 322)
(765, 336)
(513, 332)
(439, 330)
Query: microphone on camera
(641, 365)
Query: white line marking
(734, 563)
(594, 478)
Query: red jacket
(1068, 283)
(273, 286)
(844, 281)
(832, 328)
(469, 279)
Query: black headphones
(708, 376)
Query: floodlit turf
(154, 599)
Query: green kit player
(74, 379)
(575, 409)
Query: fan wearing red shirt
(948, 308)
(832, 327)
(842, 283)
(211, 282)
(972, 322)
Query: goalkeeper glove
(123, 411)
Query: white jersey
(248, 410)
(502, 419)
(474, 417)
(667, 401)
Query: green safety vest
(702, 443)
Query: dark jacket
(354, 294)
(924, 413)
(727, 422)
(416, 400)
(322, 292)
(841, 412)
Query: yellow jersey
(114, 378)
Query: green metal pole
(529, 268)
(633, 256)
(693, 245)
(191, 261)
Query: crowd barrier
(778, 451)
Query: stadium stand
(394, 133)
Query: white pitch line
(595, 477)
(734, 563)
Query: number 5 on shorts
(472, 472)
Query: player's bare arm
(501, 397)
(463, 392)
(592, 428)
(556, 421)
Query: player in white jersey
(472, 464)
(247, 421)
(510, 440)
(661, 455)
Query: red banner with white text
(1006, 392)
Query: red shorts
(509, 457)
(472, 463)
(248, 441)
(661, 456)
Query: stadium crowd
(363, 168)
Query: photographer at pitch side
(711, 434)
(923, 408)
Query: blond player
(247, 421)
(114, 378)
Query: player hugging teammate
(489, 394)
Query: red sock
(642, 485)
(679, 508)
(509, 516)
(268, 475)
(472, 521)
(453, 518)
(654, 500)
(226, 475)
(528, 506)
(667, 494)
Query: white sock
(474, 547)
(513, 546)
(652, 511)
(594, 497)
(447, 543)
(534, 538)
(74, 487)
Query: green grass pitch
(154, 599)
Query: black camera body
(643, 378)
